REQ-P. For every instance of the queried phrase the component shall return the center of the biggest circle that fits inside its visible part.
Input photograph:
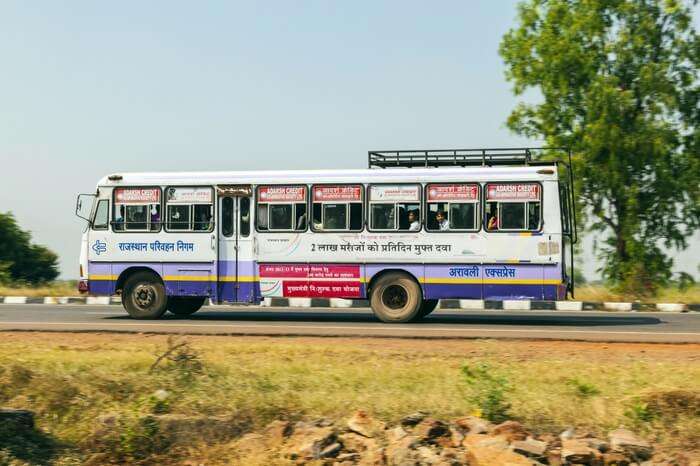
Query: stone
(428, 456)
(577, 452)
(615, 458)
(529, 447)
(308, 441)
(474, 425)
(490, 456)
(351, 457)
(568, 434)
(431, 431)
(331, 450)
(456, 438)
(402, 452)
(357, 443)
(396, 434)
(597, 444)
(485, 441)
(363, 424)
(21, 419)
(626, 441)
(511, 430)
(554, 457)
(413, 419)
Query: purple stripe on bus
(458, 291)
(510, 291)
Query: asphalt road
(225, 320)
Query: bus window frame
(500, 230)
(368, 210)
(164, 210)
(477, 206)
(362, 203)
(114, 210)
(306, 203)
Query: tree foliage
(619, 84)
(20, 260)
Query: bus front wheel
(184, 306)
(144, 296)
(396, 298)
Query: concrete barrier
(516, 305)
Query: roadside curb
(462, 304)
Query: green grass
(70, 380)
(670, 294)
(57, 288)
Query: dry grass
(671, 294)
(70, 380)
(58, 288)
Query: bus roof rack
(460, 157)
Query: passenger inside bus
(203, 218)
(119, 220)
(492, 217)
(414, 222)
(442, 222)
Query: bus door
(236, 268)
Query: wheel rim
(395, 297)
(144, 296)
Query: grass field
(72, 379)
(58, 288)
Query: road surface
(226, 320)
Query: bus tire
(396, 298)
(184, 306)
(427, 307)
(144, 296)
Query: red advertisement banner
(321, 289)
(513, 192)
(137, 195)
(452, 192)
(282, 194)
(315, 280)
(337, 193)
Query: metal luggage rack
(462, 157)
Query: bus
(412, 228)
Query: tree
(20, 260)
(619, 85)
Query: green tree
(20, 260)
(619, 84)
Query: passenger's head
(412, 216)
(440, 216)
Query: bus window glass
(281, 208)
(533, 216)
(395, 207)
(452, 207)
(513, 206)
(382, 217)
(227, 216)
(136, 209)
(189, 208)
(178, 217)
(281, 216)
(512, 215)
(334, 207)
(244, 219)
(101, 220)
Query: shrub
(488, 391)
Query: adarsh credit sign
(282, 194)
(137, 195)
(513, 192)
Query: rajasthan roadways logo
(99, 247)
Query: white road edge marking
(314, 327)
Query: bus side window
(281, 208)
(189, 209)
(136, 209)
(337, 208)
(395, 207)
(513, 206)
(227, 216)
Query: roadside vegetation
(122, 398)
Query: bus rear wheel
(396, 298)
(144, 296)
(427, 307)
(184, 306)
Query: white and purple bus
(411, 229)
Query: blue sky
(89, 88)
